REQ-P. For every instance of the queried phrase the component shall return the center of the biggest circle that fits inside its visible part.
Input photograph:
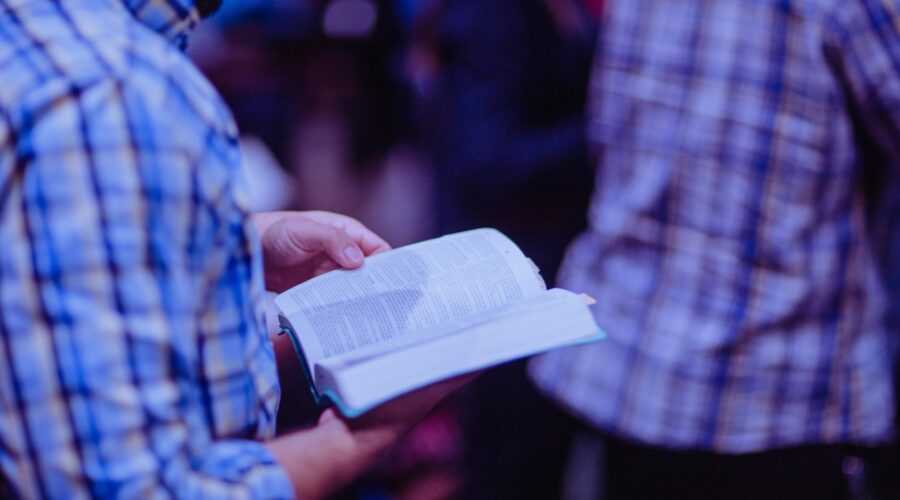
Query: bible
(423, 313)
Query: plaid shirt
(133, 356)
(728, 246)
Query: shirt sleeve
(865, 49)
(119, 253)
(866, 36)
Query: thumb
(308, 236)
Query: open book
(424, 313)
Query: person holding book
(729, 248)
(134, 362)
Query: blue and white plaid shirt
(133, 356)
(728, 246)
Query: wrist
(362, 437)
(377, 440)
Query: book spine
(285, 328)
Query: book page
(408, 290)
(359, 380)
(534, 306)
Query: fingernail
(353, 254)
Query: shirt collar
(172, 19)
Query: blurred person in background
(135, 360)
(731, 252)
(505, 121)
(503, 84)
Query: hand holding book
(388, 340)
(298, 246)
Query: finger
(370, 242)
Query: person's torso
(728, 246)
(56, 58)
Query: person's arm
(322, 460)
(119, 230)
(863, 47)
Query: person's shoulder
(52, 58)
(45, 47)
